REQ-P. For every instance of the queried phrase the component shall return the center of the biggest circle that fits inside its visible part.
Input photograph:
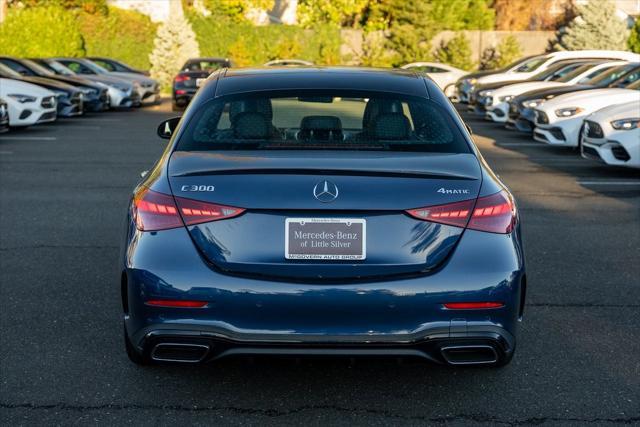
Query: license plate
(199, 82)
(326, 238)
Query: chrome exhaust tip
(179, 352)
(469, 354)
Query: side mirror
(166, 128)
(469, 129)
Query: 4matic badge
(453, 190)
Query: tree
(531, 14)
(596, 27)
(634, 37)
(175, 43)
(457, 15)
(410, 30)
(456, 52)
(337, 13)
(507, 51)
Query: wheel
(132, 353)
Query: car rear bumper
(484, 344)
(397, 316)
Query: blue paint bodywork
(391, 302)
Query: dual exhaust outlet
(453, 354)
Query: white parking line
(6, 152)
(519, 144)
(28, 138)
(99, 119)
(609, 182)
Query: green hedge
(41, 31)
(121, 34)
(247, 44)
(55, 31)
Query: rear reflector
(176, 303)
(154, 211)
(471, 305)
(495, 213)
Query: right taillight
(495, 213)
(155, 211)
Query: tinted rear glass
(203, 65)
(313, 120)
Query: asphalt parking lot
(63, 195)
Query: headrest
(377, 106)
(250, 126)
(390, 126)
(259, 105)
(321, 123)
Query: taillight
(195, 212)
(495, 213)
(452, 214)
(154, 211)
(181, 78)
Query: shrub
(120, 34)
(247, 44)
(174, 44)
(41, 31)
(456, 52)
(507, 51)
(634, 38)
(596, 27)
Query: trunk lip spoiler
(328, 172)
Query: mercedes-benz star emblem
(325, 191)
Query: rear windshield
(312, 120)
(203, 65)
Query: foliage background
(121, 34)
(77, 28)
(247, 44)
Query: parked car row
(589, 100)
(41, 90)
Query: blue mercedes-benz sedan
(323, 212)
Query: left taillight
(155, 211)
(495, 213)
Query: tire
(132, 353)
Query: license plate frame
(327, 247)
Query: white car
(28, 104)
(540, 63)
(496, 101)
(444, 75)
(612, 135)
(559, 120)
(524, 69)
